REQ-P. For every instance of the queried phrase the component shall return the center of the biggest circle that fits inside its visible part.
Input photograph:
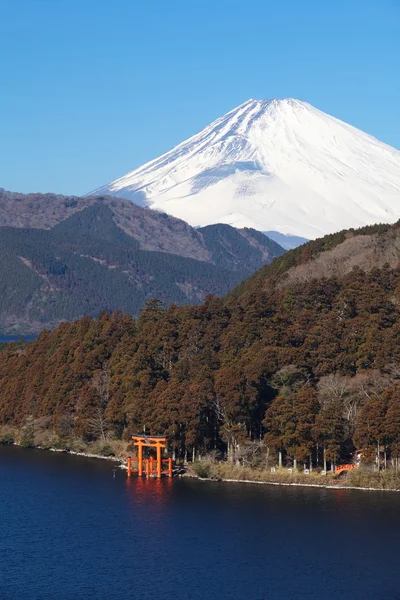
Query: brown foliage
(312, 367)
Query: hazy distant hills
(65, 257)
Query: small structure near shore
(350, 466)
(341, 468)
(150, 467)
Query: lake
(71, 531)
(16, 338)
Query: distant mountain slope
(333, 256)
(273, 165)
(87, 263)
(289, 242)
(235, 249)
(152, 230)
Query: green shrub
(27, 439)
(7, 438)
(62, 444)
(364, 477)
(201, 469)
(107, 451)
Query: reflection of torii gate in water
(152, 467)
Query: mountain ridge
(154, 230)
(81, 256)
(333, 256)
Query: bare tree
(345, 390)
(98, 423)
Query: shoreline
(292, 484)
(87, 455)
(122, 465)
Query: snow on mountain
(279, 165)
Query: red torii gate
(152, 467)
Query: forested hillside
(151, 229)
(87, 262)
(305, 367)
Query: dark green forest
(86, 264)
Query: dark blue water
(16, 338)
(69, 531)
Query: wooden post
(128, 466)
(151, 465)
(170, 467)
(140, 458)
(158, 460)
(147, 467)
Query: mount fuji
(273, 165)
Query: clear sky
(91, 89)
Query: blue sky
(90, 89)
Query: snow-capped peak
(277, 165)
